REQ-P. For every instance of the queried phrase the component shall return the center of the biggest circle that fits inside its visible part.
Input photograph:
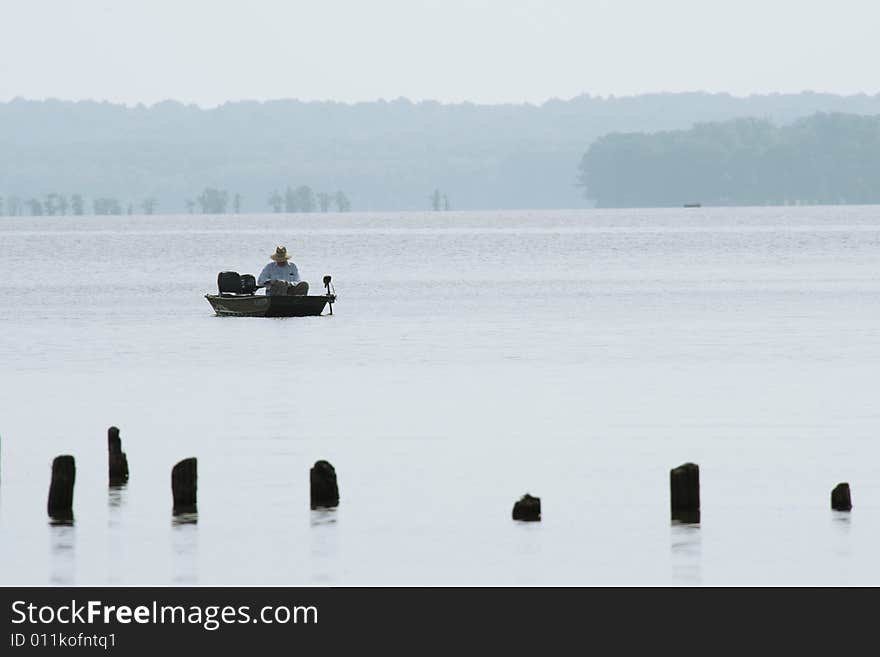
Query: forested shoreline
(62, 157)
(822, 159)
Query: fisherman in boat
(281, 277)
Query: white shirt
(276, 272)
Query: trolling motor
(331, 292)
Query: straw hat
(280, 254)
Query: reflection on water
(115, 504)
(62, 551)
(529, 539)
(841, 522)
(686, 552)
(184, 519)
(116, 539)
(322, 517)
(184, 548)
(324, 546)
(673, 329)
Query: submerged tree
(324, 200)
(236, 203)
(435, 199)
(213, 200)
(305, 198)
(342, 202)
(301, 199)
(291, 203)
(148, 205)
(276, 201)
(36, 207)
(107, 206)
(77, 204)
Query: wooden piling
(184, 479)
(527, 508)
(117, 461)
(684, 488)
(324, 489)
(840, 498)
(60, 504)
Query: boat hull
(265, 306)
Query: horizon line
(404, 100)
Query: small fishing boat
(237, 297)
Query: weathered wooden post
(60, 505)
(117, 461)
(324, 489)
(527, 508)
(840, 498)
(184, 479)
(684, 488)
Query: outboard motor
(229, 282)
(331, 292)
(248, 284)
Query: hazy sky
(209, 51)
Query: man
(281, 276)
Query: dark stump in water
(684, 489)
(324, 489)
(117, 461)
(528, 508)
(60, 504)
(184, 480)
(840, 498)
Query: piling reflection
(841, 522)
(115, 502)
(184, 518)
(528, 538)
(323, 545)
(322, 516)
(62, 551)
(117, 542)
(115, 493)
(184, 548)
(686, 552)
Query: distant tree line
(439, 201)
(821, 159)
(210, 201)
(304, 199)
(299, 199)
(386, 155)
(73, 205)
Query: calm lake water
(472, 357)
